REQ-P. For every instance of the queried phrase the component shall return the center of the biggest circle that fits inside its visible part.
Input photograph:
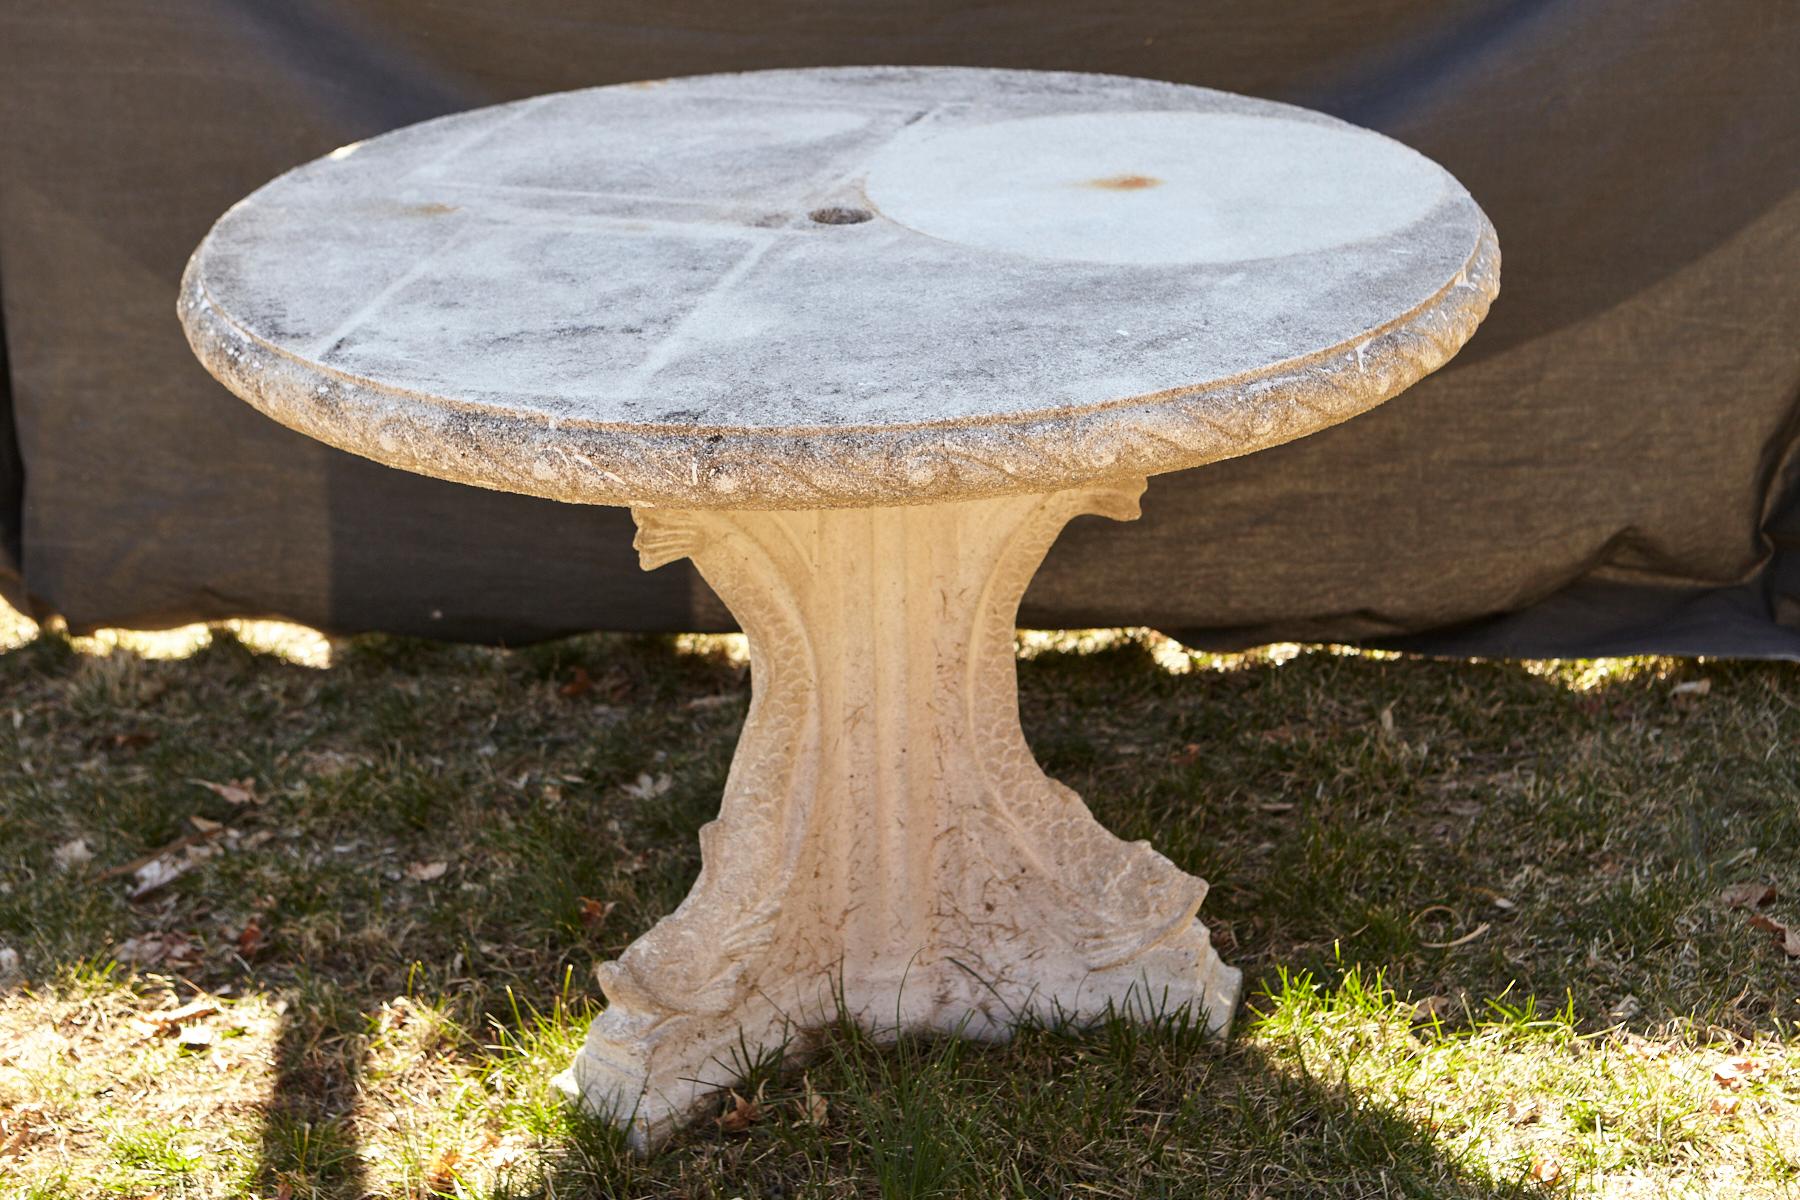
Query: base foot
(652, 1076)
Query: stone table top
(840, 287)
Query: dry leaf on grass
(192, 846)
(1464, 940)
(425, 872)
(159, 872)
(195, 1037)
(237, 792)
(813, 1109)
(327, 764)
(1747, 895)
(1523, 1110)
(17, 1129)
(1733, 1073)
(441, 1175)
(613, 685)
(594, 912)
(445, 1174)
(740, 1113)
(250, 939)
(509, 1153)
(395, 1014)
(646, 788)
(72, 855)
(1693, 687)
(154, 949)
(1787, 937)
(1546, 1170)
(156, 874)
(172, 1021)
(1433, 1008)
(1645, 1048)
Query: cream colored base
(887, 846)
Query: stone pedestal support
(887, 845)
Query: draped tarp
(1613, 464)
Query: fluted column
(886, 844)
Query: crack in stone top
(627, 295)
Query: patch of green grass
(149, 1156)
(917, 1129)
(1477, 905)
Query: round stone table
(858, 342)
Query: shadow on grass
(308, 1124)
(560, 788)
(1123, 1109)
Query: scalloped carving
(886, 842)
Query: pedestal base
(887, 848)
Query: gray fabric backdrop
(1612, 465)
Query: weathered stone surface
(622, 295)
(857, 342)
(888, 848)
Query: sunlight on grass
(1173, 658)
(1482, 904)
(1525, 1095)
(449, 1108)
(308, 647)
(285, 640)
(445, 1109)
(15, 628)
(148, 1156)
(1505, 1092)
(97, 1086)
(292, 643)
(1169, 655)
(733, 648)
(1587, 674)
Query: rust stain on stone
(433, 209)
(1124, 183)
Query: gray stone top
(840, 287)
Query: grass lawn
(1489, 914)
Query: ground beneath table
(1608, 807)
